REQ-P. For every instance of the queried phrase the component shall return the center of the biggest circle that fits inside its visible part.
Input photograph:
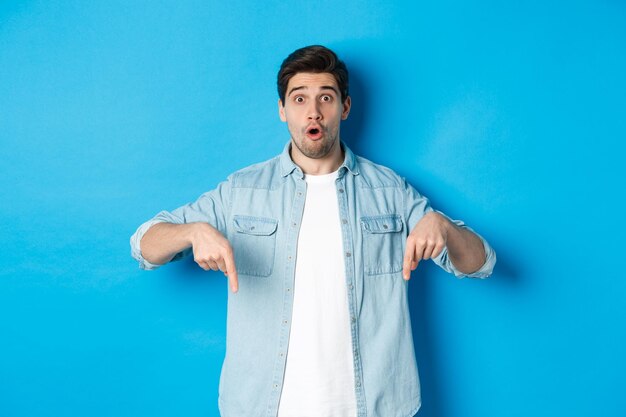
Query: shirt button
(344, 221)
(299, 194)
(294, 224)
(353, 319)
(348, 254)
(341, 190)
(351, 286)
(385, 226)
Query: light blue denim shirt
(259, 210)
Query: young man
(317, 245)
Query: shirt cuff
(135, 245)
(485, 270)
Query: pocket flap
(382, 224)
(260, 226)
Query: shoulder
(373, 175)
(263, 175)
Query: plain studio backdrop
(510, 116)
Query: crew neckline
(322, 178)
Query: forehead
(312, 80)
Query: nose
(314, 112)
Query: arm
(197, 228)
(211, 250)
(452, 245)
(432, 234)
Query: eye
(299, 99)
(326, 98)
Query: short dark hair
(315, 59)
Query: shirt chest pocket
(382, 241)
(254, 244)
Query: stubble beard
(316, 149)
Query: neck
(320, 166)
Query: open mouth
(314, 132)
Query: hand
(211, 250)
(426, 240)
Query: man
(315, 244)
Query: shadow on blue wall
(352, 129)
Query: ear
(281, 111)
(346, 108)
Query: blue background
(508, 115)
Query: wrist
(195, 231)
(446, 225)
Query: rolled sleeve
(135, 248)
(135, 240)
(443, 260)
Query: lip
(315, 136)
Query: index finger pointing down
(231, 272)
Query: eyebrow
(304, 87)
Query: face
(313, 111)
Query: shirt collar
(288, 166)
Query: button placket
(296, 216)
(351, 280)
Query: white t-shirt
(319, 374)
